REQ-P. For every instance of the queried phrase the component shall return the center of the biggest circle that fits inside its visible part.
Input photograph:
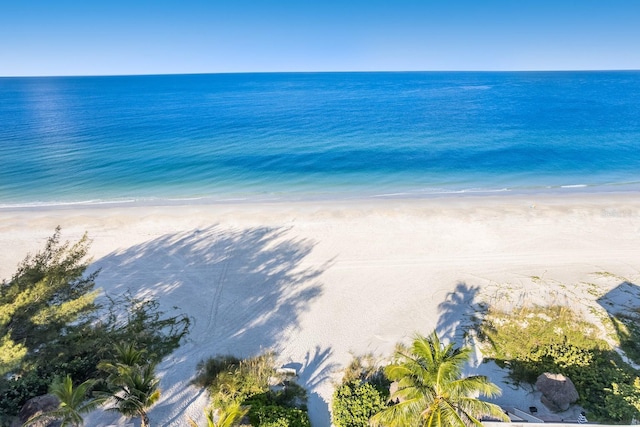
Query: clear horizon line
(325, 72)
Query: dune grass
(530, 341)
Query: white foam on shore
(323, 196)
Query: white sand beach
(318, 281)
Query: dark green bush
(16, 392)
(355, 402)
(277, 416)
(623, 400)
(291, 396)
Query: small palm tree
(133, 383)
(136, 391)
(431, 390)
(126, 356)
(228, 417)
(73, 402)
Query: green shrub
(277, 416)
(208, 370)
(623, 401)
(355, 402)
(246, 382)
(230, 380)
(16, 392)
(291, 396)
(531, 341)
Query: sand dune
(318, 281)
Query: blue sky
(61, 37)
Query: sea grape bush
(355, 402)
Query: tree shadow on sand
(313, 373)
(459, 312)
(244, 288)
(622, 305)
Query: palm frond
(407, 413)
(431, 390)
(74, 402)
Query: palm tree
(126, 356)
(73, 402)
(136, 391)
(228, 417)
(431, 391)
(133, 383)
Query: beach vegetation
(75, 401)
(627, 328)
(132, 384)
(355, 402)
(207, 371)
(233, 380)
(278, 416)
(623, 400)
(364, 392)
(366, 368)
(51, 325)
(231, 416)
(46, 300)
(272, 400)
(530, 341)
(431, 390)
(128, 319)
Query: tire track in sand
(212, 318)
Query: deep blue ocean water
(288, 136)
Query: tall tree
(51, 326)
(44, 301)
(431, 390)
(74, 402)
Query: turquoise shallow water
(316, 135)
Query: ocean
(307, 136)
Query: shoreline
(353, 196)
(567, 192)
(320, 281)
